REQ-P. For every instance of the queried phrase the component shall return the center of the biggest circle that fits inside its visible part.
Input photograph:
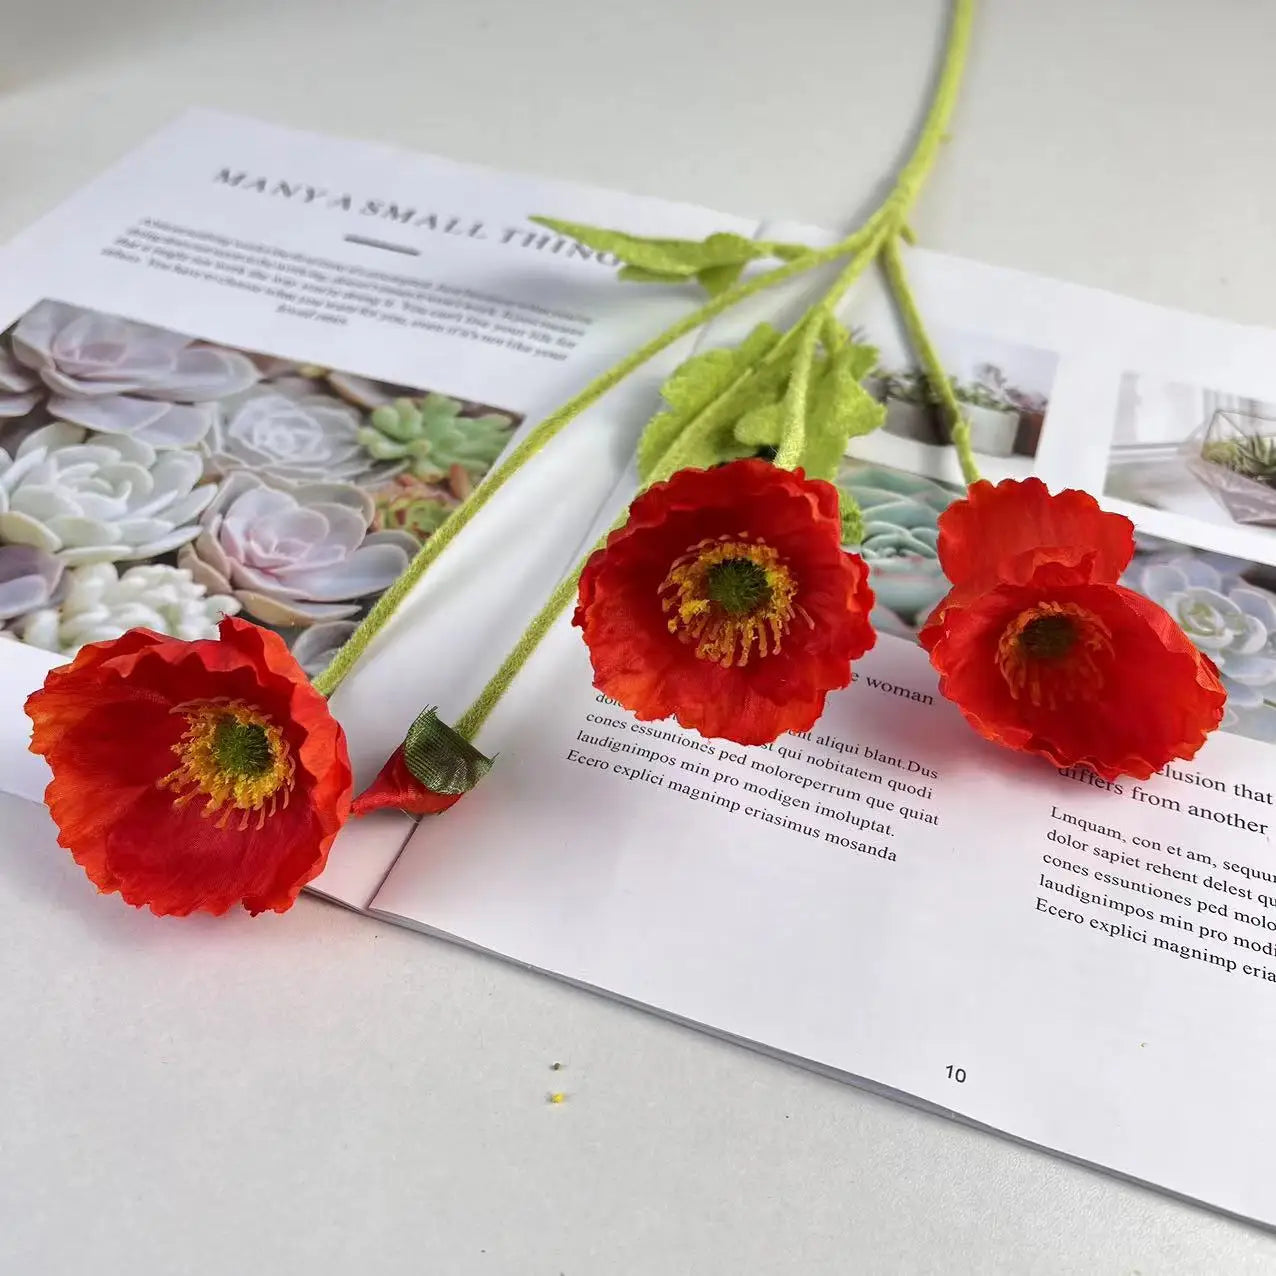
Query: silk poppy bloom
(192, 776)
(431, 770)
(727, 601)
(1043, 651)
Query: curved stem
(331, 678)
(864, 243)
(941, 385)
(793, 431)
(879, 235)
(472, 720)
(934, 128)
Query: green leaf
(841, 409)
(711, 391)
(716, 279)
(761, 426)
(641, 275)
(852, 518)
(680, 258)
(789, 252)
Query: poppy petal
(999, 534)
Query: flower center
(1050, 654)
(234, 757)
(728, 597)
(737, 585)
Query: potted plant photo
(910, 410)
(1234, 455)
(994, 421)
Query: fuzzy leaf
(841, 409)
(712, 390)
(713, 279)
(716, 279)
(852, 519)
(680, 258)
(641, 275)
(761, 426)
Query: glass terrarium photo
(1234, 455)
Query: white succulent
(1233, 622)
(29, 578)
(290, 435)
(93, 498)
(315, 647)
(20, 390)
(120, 377)
(101, 603)
(294, 557)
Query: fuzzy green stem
(890, 221)
(934, 128)
(865, 243)
(793, 431)
(878, 235)
(385, 607)
(472, 720)
(941, 385)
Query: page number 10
(956, 1074)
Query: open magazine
(1083, 965)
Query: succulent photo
(150, 478)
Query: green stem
(472, 720)
(385, 607)
(934, 128)
(889, 223)
(793, 431)
(878, 235)
(865, 243)
(941, 385)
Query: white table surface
(321, 1093)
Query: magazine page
(1083, 965)
(252, 370)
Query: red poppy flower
(1043, 651)
(192, 776)
(431, 770)
(727, 601)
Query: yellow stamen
(1051, 653)
(728, 596)
(234, 757)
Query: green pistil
(738, 585)
(1048, 637)
(241, 748)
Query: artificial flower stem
(885, 221)
(793, 435)
(941, 385)
(471, 721)
(885, 233)
(934, 130)
(347, 656)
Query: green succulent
(1254, 456)
(432, 436)
(419, 516)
